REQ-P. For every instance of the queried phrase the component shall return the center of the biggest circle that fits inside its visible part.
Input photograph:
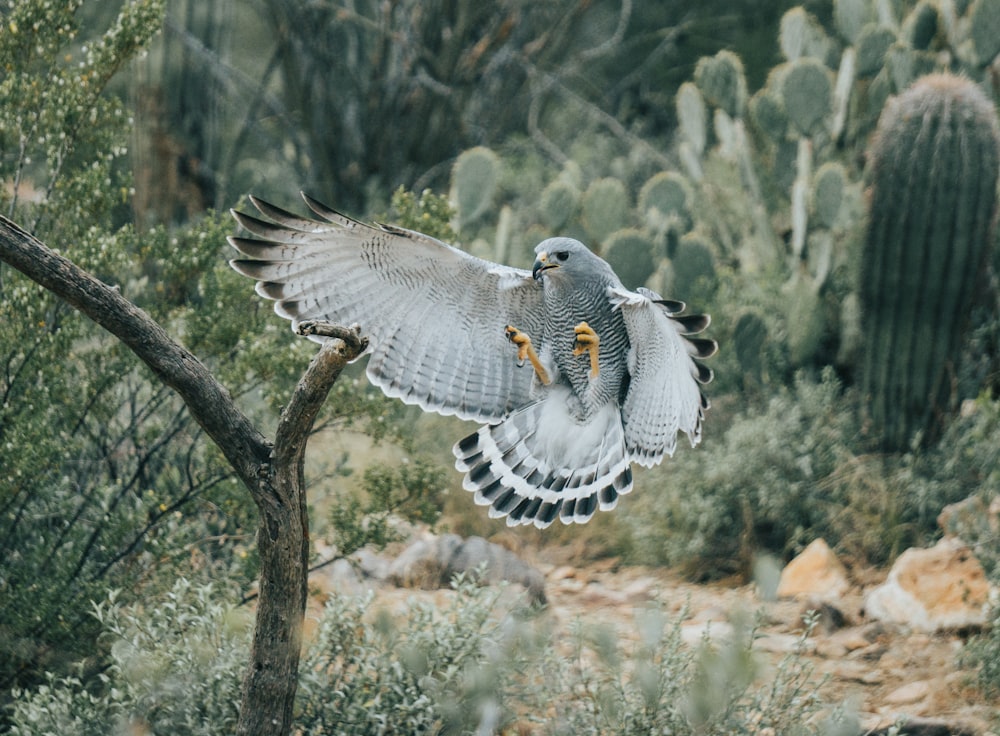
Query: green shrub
(175, 667)
(428, 671)
(982, 654)
(411, 491)
(478, 664)
(781, 476)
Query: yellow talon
(587, 341)
(526, 351)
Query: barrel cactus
(934, 163)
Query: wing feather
(664, 395)
(434, 315)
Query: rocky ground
(887, 670)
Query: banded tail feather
(541, 464)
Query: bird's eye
(562, 255)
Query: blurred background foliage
(719, 153)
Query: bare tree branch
(209, 402)
(283, 545)
(275, 478)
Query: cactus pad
(630, 253)
(808, 94)
(721, 79)
(474, 182)
(604, 208)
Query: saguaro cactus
(934, 166)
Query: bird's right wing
(434, 315)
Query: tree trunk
(283, 545)
(272, 473)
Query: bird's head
(564, 257)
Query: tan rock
(943, 587)
(911, 692)
(562, 573)
(970, 514)
(815, 572)
(840, 643)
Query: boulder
(432, 563)
(971, 518)
(943, 587)
(815, 573)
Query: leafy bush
(174, 668)
(479, 664)
(105, 480)
(982, 655)
(973, 459)
(79, 483)
(411, 491)
(781, 476)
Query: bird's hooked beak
(542, 264)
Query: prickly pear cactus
(934, 164)
(630, 253)
(808, 94)
(666, 196)
(749, 338)
(720, 78)
(693, 269)
(560, 200)
(473, 183)
(828, 193)
(604, 208)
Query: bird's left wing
(664, 395)
(434, 315)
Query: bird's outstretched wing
(434, 315)
(664, 395)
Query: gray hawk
(573, 376)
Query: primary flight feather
(574, 376)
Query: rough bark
(273, 473)
(283, 546)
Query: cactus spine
(934, 164)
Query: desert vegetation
(821, 179)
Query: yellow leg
(587, 341)
(525, 350)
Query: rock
(829, 617)
(562, 573)
(595, 594)
(714, 632)
(501, 565)
(815, 572)
(943, 587)
(911, 692)
(640, 589)
(418, 566)
(778, 643)
(841, 643)
(344, 578)
(338, 578)
(850, 671)
(970, 512)
(370, 564)
(432, 563)
(921, 727)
